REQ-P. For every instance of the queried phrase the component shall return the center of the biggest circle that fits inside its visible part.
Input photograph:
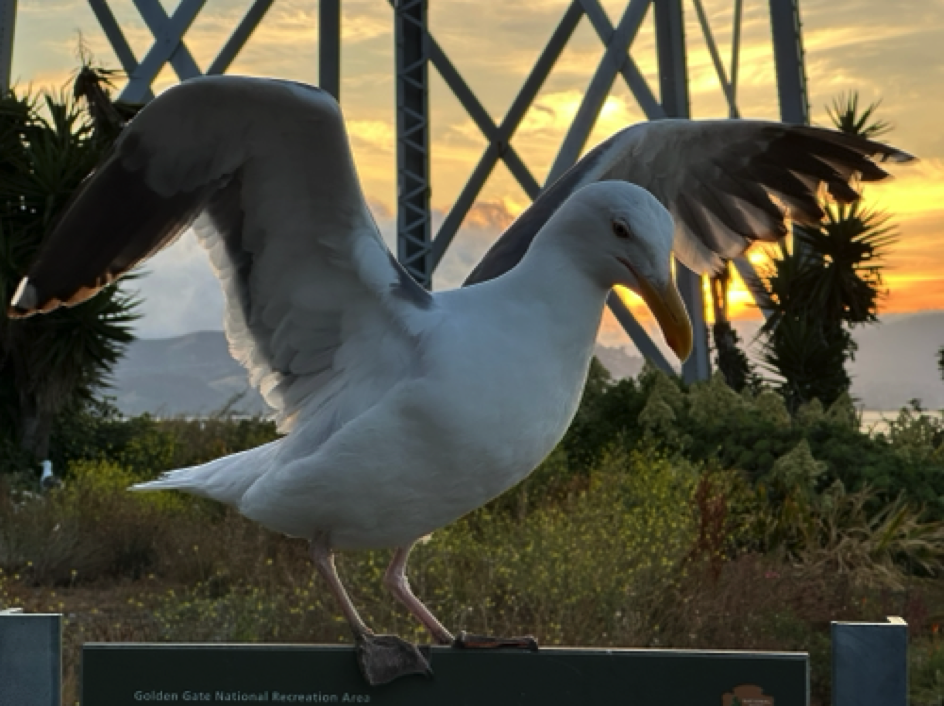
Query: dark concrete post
(870, 663)
(30, 659)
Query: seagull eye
(621, 230)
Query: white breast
(495, 394)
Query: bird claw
(465, 641)
(383, 658)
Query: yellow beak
(669, 310)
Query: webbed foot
(383, 658)
(465, 641)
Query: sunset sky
(887, 51)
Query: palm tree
(48, 145)
(830, 282)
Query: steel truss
(416, 49)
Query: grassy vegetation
(669, 517)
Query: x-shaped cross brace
(168, 44)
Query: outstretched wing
(727, 183)
(263, 170)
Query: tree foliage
(711, 425)
(48, 145)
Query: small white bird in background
(403, 409)
(48, 481)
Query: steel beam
(155, 17)
(736, 47)
(7, 31)
(638, 334)
(614, 59)
(239, 37)
(634, 79)
(478, 113)
(498, 136)
(166, 44)
(716, 58)
(499, 143)
(413, 190)
(785, 26)
(670, 47)
(117, 39)
(329, 47)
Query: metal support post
(788, 56)
(30, 658)
(785, 26)
(7, 27)
(736, 49)
(670, 47)
(413, 212)
(870, 663)
(329, 47)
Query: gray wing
(727, 183)
(262, 169)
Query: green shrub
(148, 446)
(708, 423)
(926, 667)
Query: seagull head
(627, 241)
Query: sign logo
(747, 695)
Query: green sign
(158, 674)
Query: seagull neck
(551, 276)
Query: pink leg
(396, 582)
(382, 658)
(323, 558)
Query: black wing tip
(897, 156)
(25, 301)
(872, 149)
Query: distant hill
(896, 361)
(620, 363)
(195, 375)
(190, 375)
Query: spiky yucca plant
(48, 146)
(830, 282)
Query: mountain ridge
(195, 375)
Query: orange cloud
(847, 46)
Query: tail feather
(226, 479)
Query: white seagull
(403, 409)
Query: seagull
(402, 409)
(48, 480)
